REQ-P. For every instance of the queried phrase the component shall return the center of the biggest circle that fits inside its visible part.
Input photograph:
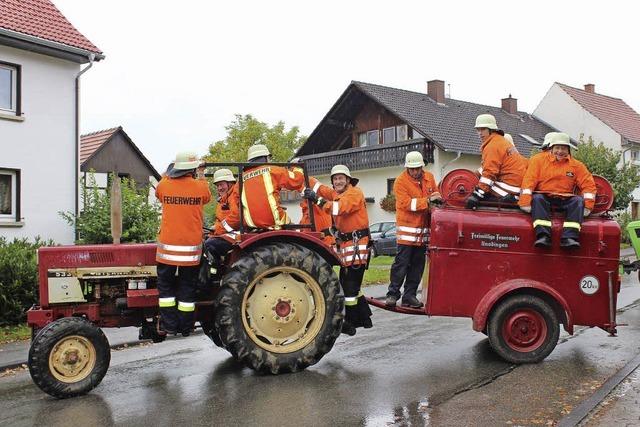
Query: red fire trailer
(483, 265)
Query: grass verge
(378, 272)
(14, 333)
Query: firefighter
(261, 185)
(220, 241)
(549, 182)
(502, 167)
(180, 243)
(322, 219)
(415, 190)
(350, 218)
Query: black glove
(321, 201)
(472, 202)
(436, 202)
(309, 194)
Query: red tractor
(275, 304)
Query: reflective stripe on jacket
(180, 238)
(412, 207)
(349, 213)
(557, 178)
(502, 167)
(261, 197)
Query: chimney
(590, 88)
(435, 90)
(510, 105)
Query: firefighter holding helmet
(415, 191)
(502, 166)
(350, 218)
(549, 182)
(179, 249)
(261, 185)
(220, 241)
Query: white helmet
(342, 169)
(560, 138)
(547, 139)
(186, 160)
(413, 159)
(223, 175)
(486, 121)
(257, 150)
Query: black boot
(411, 301)
(543, 241)
(569, 243)
(348, 328)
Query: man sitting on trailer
(220, 241)
(502, 167)
(549, 182)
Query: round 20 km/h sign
(589, 285)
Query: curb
(120, 346)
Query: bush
(18, 278)
(388, 203)
(140, 219)
(623, 218)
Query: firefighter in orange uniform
(350, 217)
(322, 218)
(502, 167)
(180, 243)
(415, 191)
(219, 241)
(261, 187)
(550, 181)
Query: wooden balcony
(361, 158)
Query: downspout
(449, 162)
(91, 57)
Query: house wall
(562, 112)
(43, 145)
(372, 116)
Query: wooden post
(116, 209)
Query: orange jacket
(322, 218)
(261, 197)
(180, 238)
(223, 209)
(412, 207)
(349, 213)
(557, 178)
(502, 166)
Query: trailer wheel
(279, 308)
(523, 329)
(69, 357)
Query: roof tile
(91, 142)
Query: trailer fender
(485, 305)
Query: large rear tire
(523, 329)
(69, 357)
(279, 308)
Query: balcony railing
(377, 156)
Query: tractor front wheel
(69, 357)
(523, 329)
(279, 308)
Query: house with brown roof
(584, 113)
(42, 58)
(371, 128)
(112, 151)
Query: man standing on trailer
(549, 182)
(502, 166)
(350, 217)
(180, 243)
(415, 190)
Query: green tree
(604, 161)
(140, 219)
(245, 131)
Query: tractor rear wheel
(279, 308)
(69, 357)
(523, 329)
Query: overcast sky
(175, 73)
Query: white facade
(373, 182)
(561, 111)
(42, 146)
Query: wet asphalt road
(407, 370)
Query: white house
(370, 129)
(41, 55)
(584, 114)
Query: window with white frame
(634, 155)
(402, 133)
(9, 195)
(362, 139)
(373, 137)
(389, 135)
(9, 88)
